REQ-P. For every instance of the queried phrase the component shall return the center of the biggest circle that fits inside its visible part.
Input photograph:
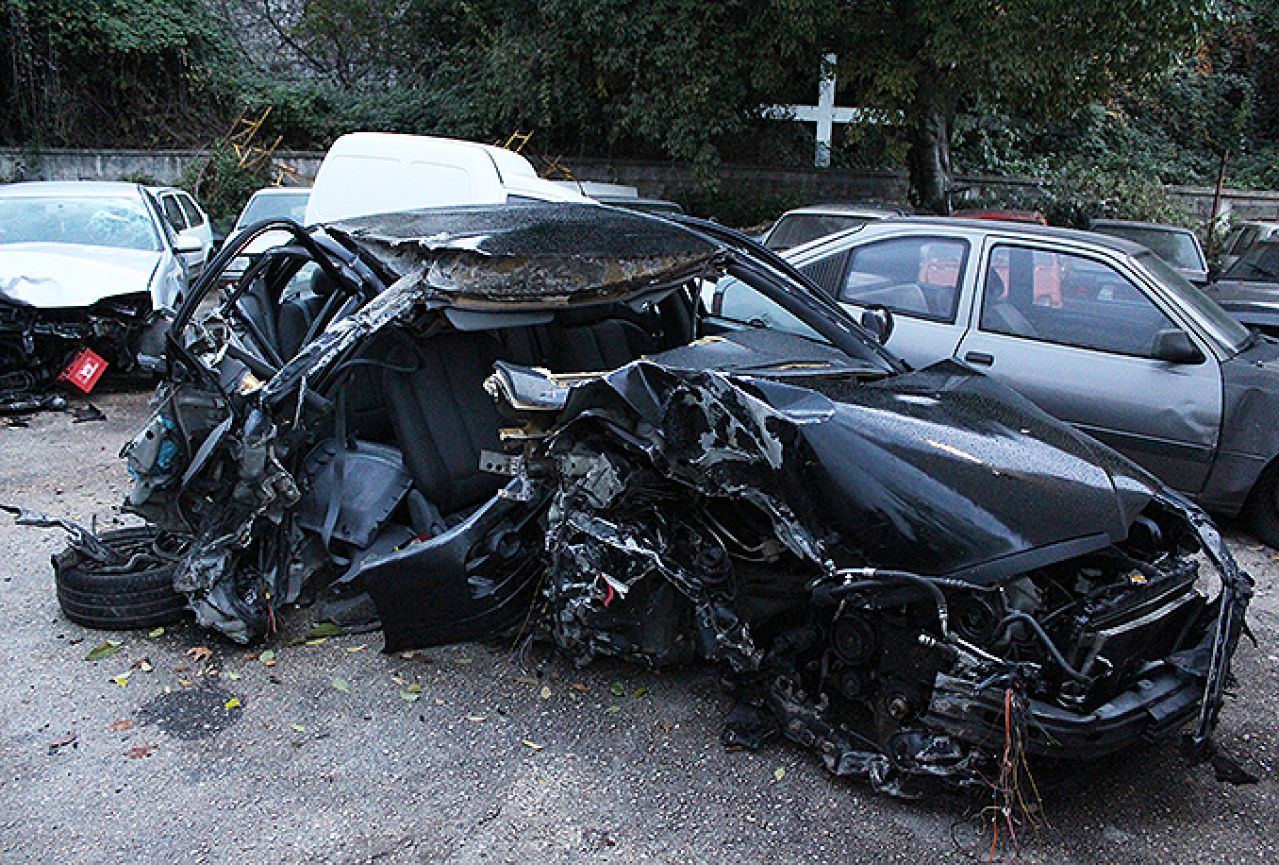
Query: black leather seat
(297, 314)
(443, 418)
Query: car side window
(173, 212)
(194, 219)
(733, 300)
(913, 276)
(1067, 299)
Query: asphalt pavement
(183, 747)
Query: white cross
(824, 113)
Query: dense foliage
(1109, 89)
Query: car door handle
(980, 357)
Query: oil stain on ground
(191, 713)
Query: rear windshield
(1178, 248)
(276, 206)
(1260, 263)
(120, 223)
(802, 227)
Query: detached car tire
(116, 597)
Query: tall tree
(931, 59)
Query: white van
(380, 172)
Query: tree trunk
(928, 159)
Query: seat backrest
(443, 418)
(295, 319)
(599, 346)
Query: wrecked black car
(536, 418)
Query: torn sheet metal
(534, 254)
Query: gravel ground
(331, 756)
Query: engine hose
(875, 578)
(1012, 618)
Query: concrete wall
(163, 166)
(653, 179)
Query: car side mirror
(879, 321)
(1174, 346)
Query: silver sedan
(1096, 330)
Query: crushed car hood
(64, 276)
(941, 471)
(535, 254)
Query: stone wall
(653, 179)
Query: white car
(799, 226)
(273, 202)
(83, 264)
(188, 219)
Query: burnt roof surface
(534, 253)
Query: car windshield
(1178, 248)
(793, 230)
(1259, 263)
(1219, 323)
(120, 223)
(290, 205)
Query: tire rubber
(1262, 508)
(143, 598)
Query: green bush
(222, 185)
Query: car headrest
(322, 285)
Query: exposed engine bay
(524, 418)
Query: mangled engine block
(889, 675)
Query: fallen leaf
(399, 680)
(546, 692)
(475, 719)
(640, 692)
(617, 689)
(234, 677)
(324, 629)
(527, 680)
(181, 668)
(612, 710)
(414, 688)
(233, 703)
(411, 696)
(409, 655)
(137, 752)
(580, 686)
(342, 685)
(104, 650)
(316, 641)
(155, 632)
(531, 745)
(297, 728)
(144, 665)
(353, 649)
(779, 773)
(121, 725)
(186, 683)
(122, 680)
(199, 653)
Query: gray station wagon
(1097, 330)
